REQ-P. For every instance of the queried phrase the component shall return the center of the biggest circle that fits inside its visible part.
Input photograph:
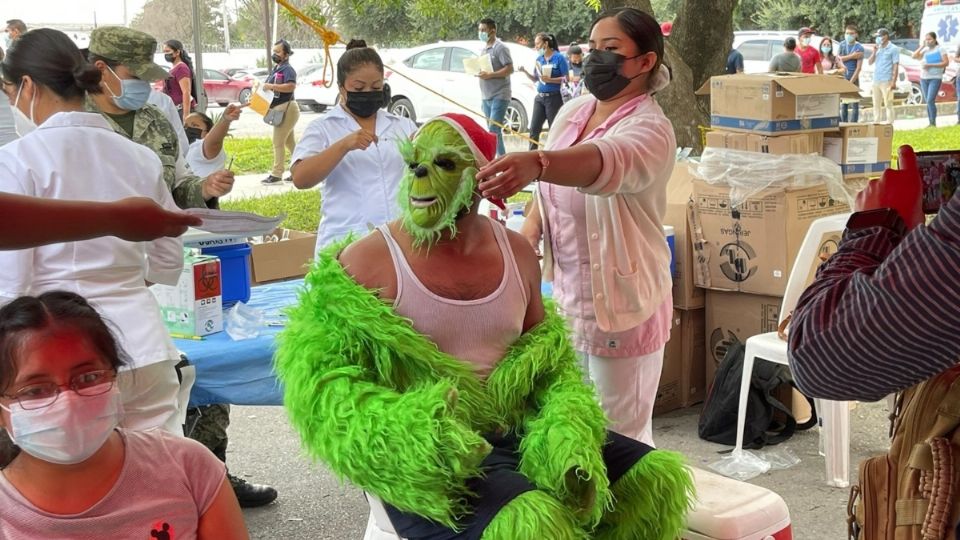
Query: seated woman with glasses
(77, 475)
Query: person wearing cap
(809, 55)
(124, 57)
(886, 58)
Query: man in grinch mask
(421, 365)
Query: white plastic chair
(378, 524)
(724, 508)
(834, 415)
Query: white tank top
(479, 331)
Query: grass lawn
(302, 208)
(941, 138)
(251, 155)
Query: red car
(221, 89)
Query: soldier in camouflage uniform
(127, 54)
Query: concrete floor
(314, 505)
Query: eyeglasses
(91, 383)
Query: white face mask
(21, 123)
(70, 430)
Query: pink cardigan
(629, 256)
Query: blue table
(241, 372)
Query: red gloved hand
(900, 190)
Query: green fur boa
(384, 408)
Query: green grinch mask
(439, 183)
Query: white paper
(818, 106)
(546, 70)
(235, 223)
(473, 66)
(862, 150)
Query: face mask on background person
(193, 134)
(134, 93)
(850, 38)
(805, 41)
(68, 431)
(601, 74)
(483, 36)
(826, 49)
(21, 123)
(879, 40)
(276, 58)
(365, 104)
(168, 57)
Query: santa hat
(482, 143)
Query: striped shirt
(882, 314)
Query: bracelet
(544, 163)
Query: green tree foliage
(830, 16)
(397, 23)
(173, 19)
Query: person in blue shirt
(551, 69)
(887, 60)
(734, 62)
(851, 54)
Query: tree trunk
(696, 50)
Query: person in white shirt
(76, 155)
(166, 106)
(205, 154)
(352, 151)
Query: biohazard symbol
(736, 265)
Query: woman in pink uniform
(600, 206)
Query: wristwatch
(879, 217)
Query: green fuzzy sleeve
(563, 427)
(399, 434)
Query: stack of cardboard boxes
(733, 263)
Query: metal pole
(198, 58)
(276, 18)
(226, 25)
(266, 35)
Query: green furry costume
(384, 408)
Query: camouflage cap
(132, 48)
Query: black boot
(251, 495)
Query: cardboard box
(682, 381)
(776, 103)
(284, 259)
(799, 143)
(732, 317)
(752, 248)
(860, 149)
(194, 307)
(686, 295)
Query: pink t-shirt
(165, 485)
(565, 209)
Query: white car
(314, 92)
(439, 67)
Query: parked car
(439, 67)
(314, 92)
(221, 89)
(758, 47)
(251, 74)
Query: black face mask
(365, 104)
(168, 57)
(601, 74)
(193, 134)
(276, 59)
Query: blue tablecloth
(241, 372)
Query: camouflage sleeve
(187, 188)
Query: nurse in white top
(352, 151)
(75, 155)
(205, 154)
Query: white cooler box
(728, 509)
